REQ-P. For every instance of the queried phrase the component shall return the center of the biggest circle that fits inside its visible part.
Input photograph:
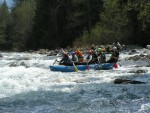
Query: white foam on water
(144, 108)
(33, 87)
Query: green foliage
(113, 20)
(4, 24)
(36, 24)
(22, 14)
(144, 22)
(124, 21)
(58, 23)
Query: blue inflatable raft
(62, 68)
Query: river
(27, 85)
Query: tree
(4, 23)
(112, 25)
(144, 22)
(22, 15)
(59, 22)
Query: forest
(48, 24)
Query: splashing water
(28, 86)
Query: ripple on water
(36, 89)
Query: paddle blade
(54, 62)
(88, 67)
(76, 69)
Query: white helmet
(114, 48)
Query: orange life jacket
(80, 56)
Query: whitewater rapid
(27, 85)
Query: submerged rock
(52, 53)
(16, 64)
(82, 91)
(127, 81)
(22, 64)
(138, 71)
(134, 51)
(139, 57)
(13, 64)
(146, 51)
(148, 46)
(1, 55)
(147, 65)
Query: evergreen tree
(4, 23)
(111, 27)
(22, 15)
(144, 22)
(59, 22)
(126, 21)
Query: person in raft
(65, 58)
(115, 56)
(74, 57)
(89, 57)
(79, 56)
(94, 57)
(101, 56)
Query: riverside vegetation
(47, 24)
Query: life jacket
(65, 58)
(94, 57)
(103, 56)
(89, 58)
(80, 56)
(114, 57)
(74, 58)
(79, 53)
(115, 54)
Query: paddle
(76, 69)
(88, 67)
(98, 66)
(86, 61)
(55, 61)
(98, 61)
